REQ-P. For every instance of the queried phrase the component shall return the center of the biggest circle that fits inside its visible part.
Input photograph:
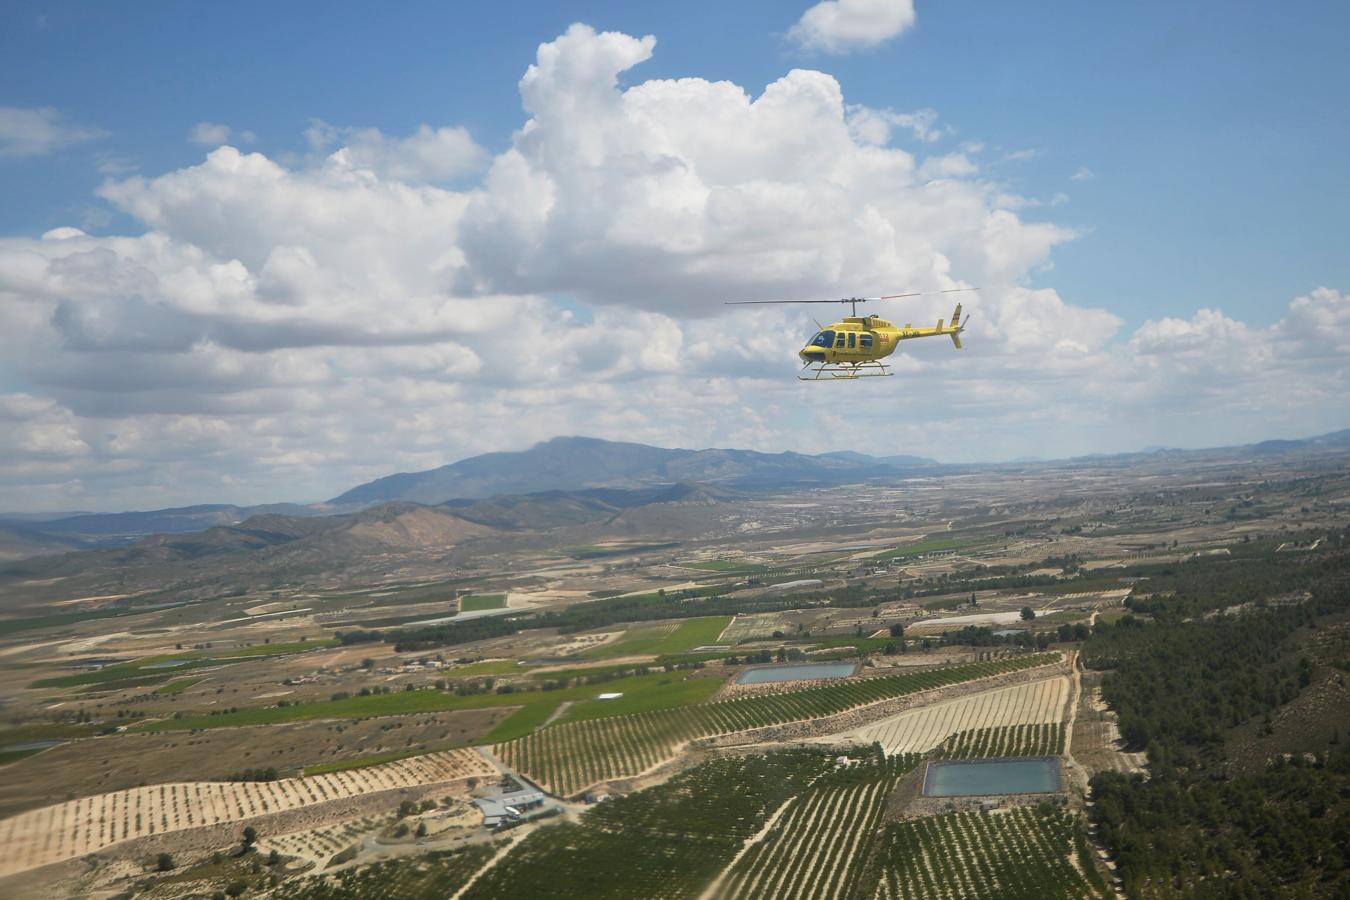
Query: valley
(729, 685)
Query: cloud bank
(283, 331)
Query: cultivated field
(118, 762)
(91, 824)
(818, 844)
(1010, 740)
(758, 625)
(667, 841)
(920, 730)
(569, 757)
(1014, 854)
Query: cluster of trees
(782, 654)
(1179, 685)
(984, 636)
(264, 774)
(1281, 832)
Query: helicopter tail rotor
(958, 326)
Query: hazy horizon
(239, 501)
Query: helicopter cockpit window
(865, 341)
(823, 339)
(839, 342)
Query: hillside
(261, 550)
(315, 549)
(18, 542)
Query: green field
(177, 686)
(657, 690)
(657, 640)
(679, 691)
(12, 626)
(478, 602)
(9, 756)
(523, 721)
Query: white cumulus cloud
(843, 26)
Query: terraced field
(571, 756)
(90, 824)
(920, 730)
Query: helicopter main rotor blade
(850, 299)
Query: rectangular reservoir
(804, 672)
(967, 778)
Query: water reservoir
(803, 672)
(965, 778)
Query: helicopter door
(852, 341)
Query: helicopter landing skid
(847, 371)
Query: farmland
(1021, 854)
(658, 640)
(668, 841)
(820, 840)
(919, 730)
(1010, 740)
(90, 824)
(301, 702)
(571, 756)
(481, 602)
(420, 701)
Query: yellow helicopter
(855, 347)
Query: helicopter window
(839, 342)
(823, 339)
(852, 341)
(865, 341)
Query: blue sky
(1216, 132)
(267, 251)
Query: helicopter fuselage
(863, 339)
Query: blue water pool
(803, 672)
(1037, 775)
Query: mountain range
(557, 481)
(573, 463)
